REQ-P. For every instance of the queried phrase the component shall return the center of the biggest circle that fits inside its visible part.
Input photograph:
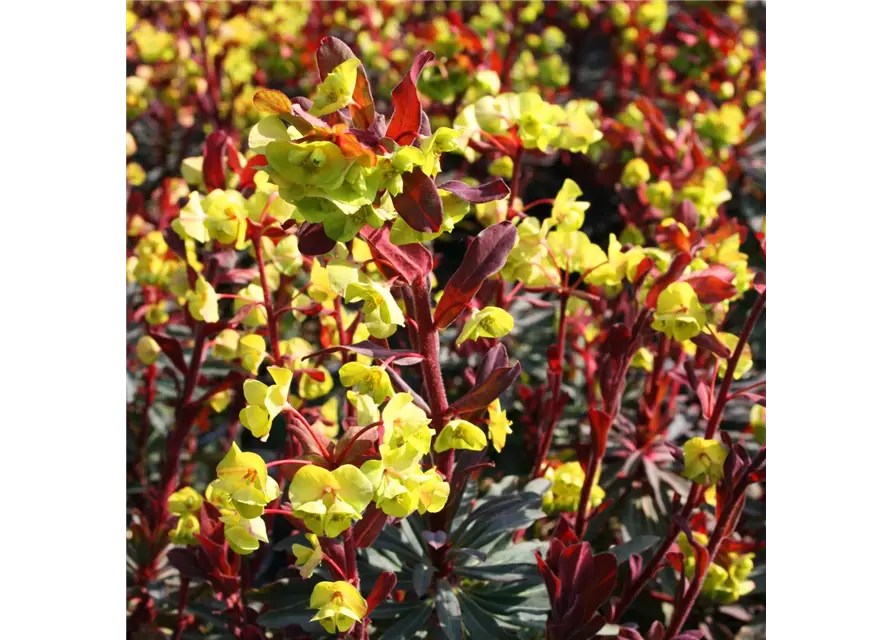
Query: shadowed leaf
(485, 257)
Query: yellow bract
(327, 501)
(460, 434)
(567, 484)
(489, 322)
(704, 460)
(498, 425)
(679, 314)
(147, 350)
(340, 606)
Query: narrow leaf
(637, 545)
(380, 592)
(367, 530)
(421, 578)
(412, 619)
(485, 257)
(407, 116)
(402, 357)
(410, 262)
(486, 391)
(449, 613)
(494, 190)
(419, 204)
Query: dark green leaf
(298, 614)
(421, 578)
(478, 622)
(412, 619)
(449, 613)
(637, 545)
(500, 572)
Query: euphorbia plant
(347, 400)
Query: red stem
(611, 407)
(272, 318)
(516, 180)
(723, 396)
(181, 607)
(650, 570)
(546, 442)
(337, 572)
(145, 427)
(350, 557)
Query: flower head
(327, 501)
(679, 314)
(340, 605)
(367, 380)
(489, 322)
(265, 402)
(147, 350)
(704, 460)
(460, 434)
(497, 424)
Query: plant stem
(723, 396)
(651, 569)
(272, 319)
(145, 427)
(516, 180)
(546, 442)
(350, 557)
(429, 347)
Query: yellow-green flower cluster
(541, 125)
(723, 584)
(400, 485)
(546, 249)
(240, 492)
(340, 605)
(185, 503)
(567, 484)
(326, 175)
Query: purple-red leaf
(553, 585)
(407, 118)
(410, 262)
(713, 284)
(486, 391)
(687, 214)
(382, 589)
(185, 561)
(402, 357)
(678, 265)
(355, 444)
(485, 257)
(487, 192)
(172, 350)
(705, 398)
(496, 357)
(362, 109)
(366, 530)
(214, 160)
(597, 590)
(711, 343)
(330, 53)
(419, 204)
(313, 241)
(315, 445)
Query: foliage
(444, 320)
